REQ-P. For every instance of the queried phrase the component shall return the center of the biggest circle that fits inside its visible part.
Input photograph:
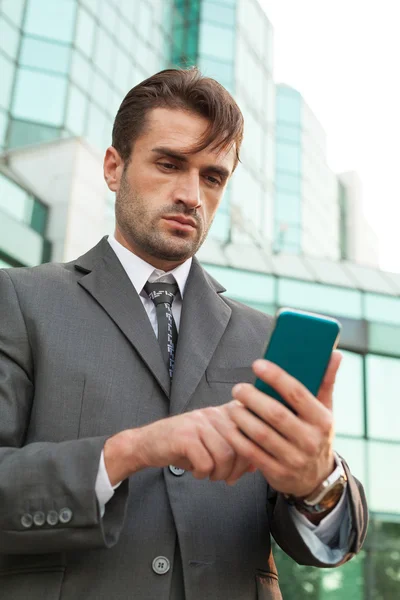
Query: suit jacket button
(26, 520)
(65, 515)
(52, 517)
(39, 518)
(176, 471)
(161, 565)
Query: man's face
(165, 199)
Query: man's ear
(113, 167)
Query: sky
(343, 56)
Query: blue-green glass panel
(104, 52)
(3, 127)
(384, 338)
(7, 76)
(13, 9)
(287, 237)
(288, 208)
(217, 41)
(216, 12)
(96, 125)
(383, 376)
(31, 89)
(76, 111)
(320, 298)
(244, 285)
(382, 308)
(383, 481)
(348, 403)
(288, 105)
(145, 19)
(13, 199)
(9, 38)
(19, 241)
(23, 133)
(288, 182)
(55, 20)
(39, 217)
(45, 55)
(288, 157)
(291, 133)
(222, 71)
(85, 31)
(220, 228)
(81, 71)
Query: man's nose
(188, 190)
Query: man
(118, 430)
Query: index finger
(292, 391)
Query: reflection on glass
(85, 30)
(14, 200)
(348, 400)
(9, 38)
(215, 12)
(76, 111)
(242, 285)
(383, 481)
(54, 20)
(320, 298)
(31, 88)
(216, 41)
(7, 75)
(45, 55)
(383, 375)
(13, 9)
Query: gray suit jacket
(79, 362)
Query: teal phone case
(301, 344)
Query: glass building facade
(307, 204)
(65, 67)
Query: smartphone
(301, 343)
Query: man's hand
(293, 452)
(189, 441)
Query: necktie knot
(161, 293)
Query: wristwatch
(327, 495)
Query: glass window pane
(384, 338)
(3, 127)
(216, 41)
(348, 399)
(288, 157)
(54, 20)
(320, 298)
(383, 375)
(101, 91)
(39, 217)
(76, 111)
(13, 199)
(85, 32)
(223, 72)
(354, 452)
(22, 243)
(145, 20)
(81, 71)
(243, 285)
(288, 208)
(216, 12)
(7, 76)
(383, 481)
(45, 55)
(9, 38)
(104, 52)
(384, 309)
(220, 227)
(31, 88)
(24, 133)
(290, 133)
(96, 127)
(288, 105)
(13, 9)
(288, 182)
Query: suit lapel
(107, 282)
(203, 321)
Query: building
(65, 70)
(359, 242)
(306, 211)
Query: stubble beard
(142, 227)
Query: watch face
(332, 497)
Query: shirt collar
(139, 271)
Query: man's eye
(213, 180)
(168, 166)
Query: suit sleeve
(48, 501)
(286, 534)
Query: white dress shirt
(334, 528)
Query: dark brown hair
(186, 89)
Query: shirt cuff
(103, 488)
(328, 541)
